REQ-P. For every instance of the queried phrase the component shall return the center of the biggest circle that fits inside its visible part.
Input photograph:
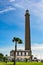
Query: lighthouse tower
(27, 31)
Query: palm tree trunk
(15, 53)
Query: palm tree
(16, 40)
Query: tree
(16, 40)
(5, 59)
(35, 57)
(1, 56)
(6, 56)
(31, 57)
(26, 59)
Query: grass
(4, 63)
(22, 63)
(29, 63)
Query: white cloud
(12, 0)
(18, 5)
(35, 8)
(7, 9)
(6, 50)
(37, 50)
(1, 49)
(37, 46)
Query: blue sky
(12, 24)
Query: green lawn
(29, 63)
(22, 63)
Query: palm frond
(20, 41)
(16, 39)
